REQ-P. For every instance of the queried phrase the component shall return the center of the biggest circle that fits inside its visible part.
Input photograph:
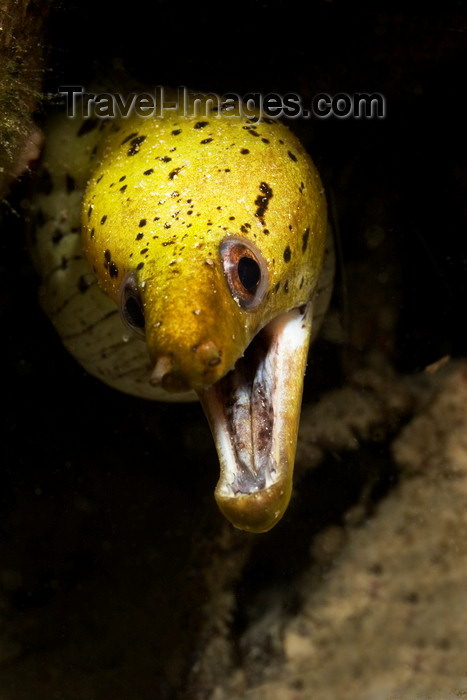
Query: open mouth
(254, 413)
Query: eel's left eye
(245, 270)
(130, 305)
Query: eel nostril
(163, 375)
(209, 354)
(162, 368)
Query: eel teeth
(254, 414)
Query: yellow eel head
(209, 234)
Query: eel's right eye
(130, 306)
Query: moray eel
(180, 258)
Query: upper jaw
(254, 414)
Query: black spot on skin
(129, 137)
(135, 145)
(70, 183)
(104, 219)
(305, 240)
(165, 159)
(200, 125)
(57, 236)
(140, 266)
(139, 236)
(142, 223)
(83, 284)
(176, 132)
(142, 252)
(287, 254)
(149, 172)
(165, 243)
(262, 201)
(87, 126)
(167, 225)
(90, 211)
(265, 140)
(174, 173)
(292, 156)
(123, 188)
(244, 151)
(92, 233)
(122, 178)
(277, 287)
(286, 287)
(231, 218)
(301, 282)
(109, 265)
(206, 141)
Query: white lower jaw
(254, 414)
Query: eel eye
(130, 305)
(245, 270)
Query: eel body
(181, 257)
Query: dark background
(107, 516)
(413, 160)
